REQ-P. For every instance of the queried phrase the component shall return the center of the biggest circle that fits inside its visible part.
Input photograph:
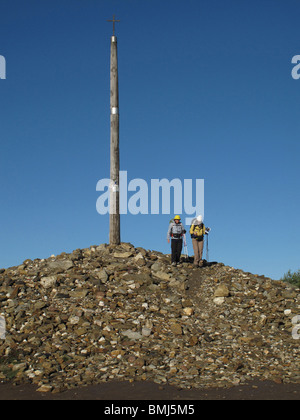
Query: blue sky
(206, 92)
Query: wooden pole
(114, 221)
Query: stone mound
(123, 313)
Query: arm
(169, 232)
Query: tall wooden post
(114, 220)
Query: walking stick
(185, 248)
(207, 250)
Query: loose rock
(124, 313)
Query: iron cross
(114, 21)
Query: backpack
(200, 228)
(176, 235)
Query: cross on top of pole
(114, 22)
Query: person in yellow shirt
(197, 232)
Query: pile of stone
(123, 313)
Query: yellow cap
(177, 218)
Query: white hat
(200, 219)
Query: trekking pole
(207, 250)
(186, 248)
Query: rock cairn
(123, 313)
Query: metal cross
(114, 21)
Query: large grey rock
(59, 266)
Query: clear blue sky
(205, 93)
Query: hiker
(176, 232)
(197, 232)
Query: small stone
(188, 311)
(45, 388)
(79, 293)
(49, 282)
(219, 300)
(117, 353)
(193, 341)
(102, 276)
(123, 254)
(60, 266)
(74, 320)
(80, 331)
(287, 312)
(19, 367)
(156, 266)
(162, 275)
(222, 291)
(39, 305)
(132, 335)
(176, 329)
(146, 332)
